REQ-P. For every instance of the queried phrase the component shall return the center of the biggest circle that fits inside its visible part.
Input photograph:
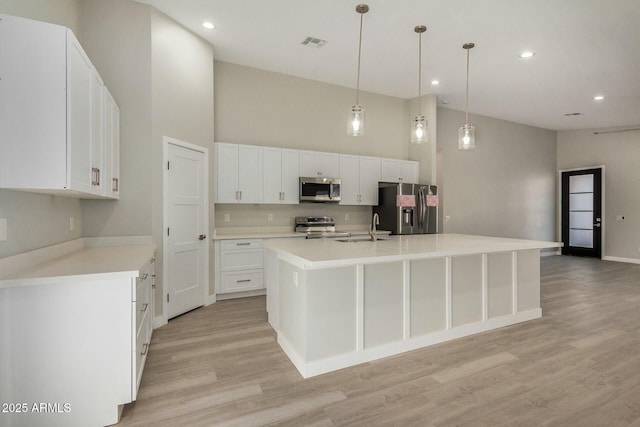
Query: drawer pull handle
(144, 276)
(243, 244)
(243, 281)
(145, 349)
(144, 307)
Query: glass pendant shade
(355, 127)
(467, 137)
(419, 131)
(467, 133)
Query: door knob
(202, 237)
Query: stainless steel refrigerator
(407, 208)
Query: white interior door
(186, 231)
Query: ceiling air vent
(314, 42)
(573, 114)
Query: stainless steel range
(318, 227)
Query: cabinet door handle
(144, 276)
(115, 185)
(98, 176)
(144, 307)
(145, 349)
(243, 281)
(94, 176)
(240, 195)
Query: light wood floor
(577, 366)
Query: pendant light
(419, 131)
(467, 132)
(355, 127)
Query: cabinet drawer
(140, 351)
(143, 296)
(241, 244)
(242, 281)
(241, 260)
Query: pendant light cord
(359, 54)
(466, 103)
(419, 72)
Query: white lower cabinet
(82, 339)
(239, 265)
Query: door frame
(602, 202)
(166, 140)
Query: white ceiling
(583, 48)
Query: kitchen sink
(356, 239)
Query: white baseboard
(619, 259)
(233, 295)
(159, 321)
(332, 363)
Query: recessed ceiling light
(598, 98)
(526, 54)
(208, 25)
(435, 82)
(314, 42)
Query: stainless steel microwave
(321, 190)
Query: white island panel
(383, 304)
(428, 290)
(500, 284)
(331, 312)
(466, 289)
(528, 280)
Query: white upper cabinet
(238, 173)
(369, 177)
(359, 180)
(315, 163)
(50, 111)
(393, 170)
(280, 175)
(111, 145)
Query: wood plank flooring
(577, 366)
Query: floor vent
(314, 42)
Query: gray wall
(619, 153)
(506, 187)
(116, 35)
(264, 108)
(35, 220)
(182, 107)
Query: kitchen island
(338, 303)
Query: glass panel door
(581, 212)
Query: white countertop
(327, 253)
(108, 262)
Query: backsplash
(284, 215)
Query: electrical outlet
(227, 217)
(3, 229)
(270, 217)
(72, 223)
(447, 218)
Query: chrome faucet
(372, 231)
